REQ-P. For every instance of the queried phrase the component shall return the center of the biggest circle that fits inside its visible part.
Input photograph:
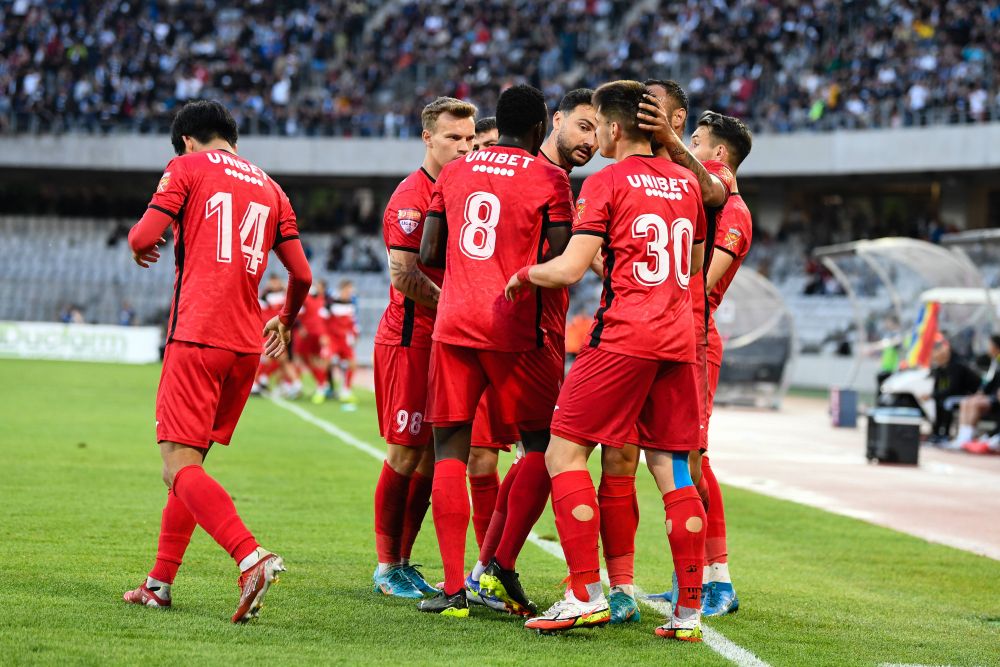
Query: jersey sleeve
(173, 189)
(288, 227)
(593, 207)
(560, 210)
(723, 173)
(437, 197)
(403, 221)
(731, 235)
(700, 225)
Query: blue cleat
(718, 599)
(418, 581)
(394, 582)
(624, 608)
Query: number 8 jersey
(497, 204)
(648, 211)
(227, 216)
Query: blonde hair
(448, 105)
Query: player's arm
(279, 329)
(558, 235)
(697, 256)
(653, 118)
(146, 234)
(566, 269)
(722, 259)
(406, 276)
(597, 265)
(434, 244)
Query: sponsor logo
(409, 219)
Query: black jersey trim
(428, 175)
(179, 253)
(404, 248)
(409, 314)
(165, 211)
(281, 239)
(609, 297)
(727, 251)
(590, 232)
(556, 225)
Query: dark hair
(519, 109)
(203, 120)
(733, 132)
(575, 98)
(674, 91)
(486, 124)
(619, 101)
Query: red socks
(484, 490)
(532, 489)
(715, 537)
(213, 509)
(348, 378)
(619, 522)
(176, 527)
(450, 506)
(686, 532)
(417, 501)
(574, 502)
(390, 508)
(319, 374)
(488, 547)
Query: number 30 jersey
(648, 211)
(227, 216)
(497, 204)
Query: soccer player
(343, 333)
(310, 338)
(213, 336)
(645, 213)
(487, 135)
(402, 353)
(724, 139)
(492, 212)
(571, 143)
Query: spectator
(952, 379)
(986, 401)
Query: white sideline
(713, 639)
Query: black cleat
(506, 586)
(447, 605)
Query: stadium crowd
(366, 68)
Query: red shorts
(711, 385)
(305, 346)
(488, 428)
(401, 394)
(342, 347)
(202, 393)
(526, 384)
(607, 398)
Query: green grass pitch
(81, 497)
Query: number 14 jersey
(497, 204)
(227, 216)
(648, 211)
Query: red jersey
(313, 315)
(648, 211)
(227, 216)
(497, 204)
(697, 286)
(555, 302)
(404, 322)
(343, 321)
(734, 232)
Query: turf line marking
(714, 640)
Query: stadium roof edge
(856, 152)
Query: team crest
(164, 182)
(732, 239)
(409, 219)
(581, 205)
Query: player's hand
(652, 117)
(514, 288)
(148, 256)
(278, 338)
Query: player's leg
(526, 391)
(401, 398)
(619, 523)
(457, 382)
(669, 428)
(492, 539)
(484, 482)
(598, 379)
